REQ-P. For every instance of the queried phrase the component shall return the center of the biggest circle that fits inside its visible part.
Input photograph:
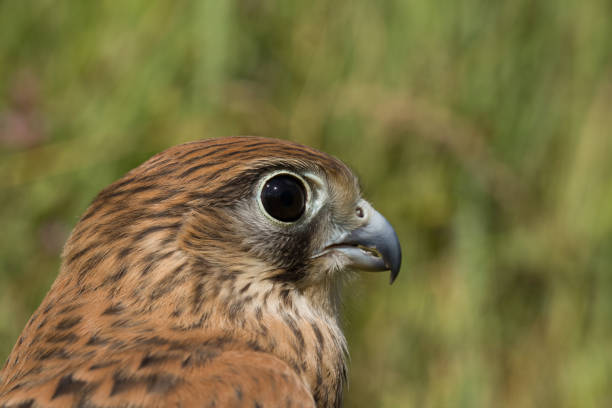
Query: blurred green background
(481, 129)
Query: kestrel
(209, 276)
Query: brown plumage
(188, 283)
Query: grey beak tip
(392, 254)
(395, 264)
(393, 275)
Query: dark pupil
(284, 198)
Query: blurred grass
(481, 129)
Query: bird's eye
(284, 198)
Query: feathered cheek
(201, 232)
(330, 264)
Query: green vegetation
(481, 129)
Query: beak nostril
(359, 212)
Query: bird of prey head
(207, 276)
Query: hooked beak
(372, 247)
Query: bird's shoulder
(173, 375)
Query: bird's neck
(200, 299)
(301, 327)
